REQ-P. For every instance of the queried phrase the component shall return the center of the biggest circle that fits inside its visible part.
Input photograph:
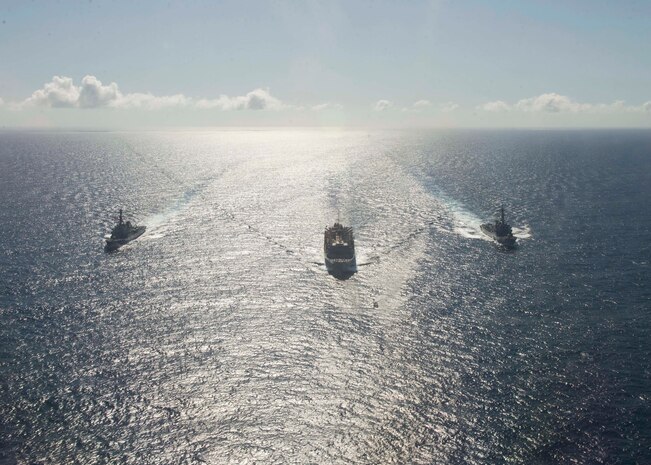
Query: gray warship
(339, 250)
(500, 231)
(123, 233)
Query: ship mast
(120, 216)
(502, 212)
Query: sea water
(218, 336)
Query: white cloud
(382, 105)
(449, 106)
(422, 104)
(151, 102)
(496, 106)
(258, 99)
(550, 103)
(328, 106)
(93, 94)
(556, 103)
(223, 103)
(60, 92)
(2, 102)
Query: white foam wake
(523, 233)
(157, 223)
(468, 224)
(464, 222)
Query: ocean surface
(219, 338)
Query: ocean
(218, 337)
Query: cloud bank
(258, 99)
(62, 92)
(556, 103)
(550, 103)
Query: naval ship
(339, 250)
(123, 233)
(499, 231)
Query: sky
(437, 63)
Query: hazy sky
(377, 63)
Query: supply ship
(123, 233)
(339, 250)
(499, 231)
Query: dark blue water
(218, 337)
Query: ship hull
(506, 241)
(340, 266)
(114, 244)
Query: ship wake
(465, 223)
(523, 233)
(157, 224)
(462, 221)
